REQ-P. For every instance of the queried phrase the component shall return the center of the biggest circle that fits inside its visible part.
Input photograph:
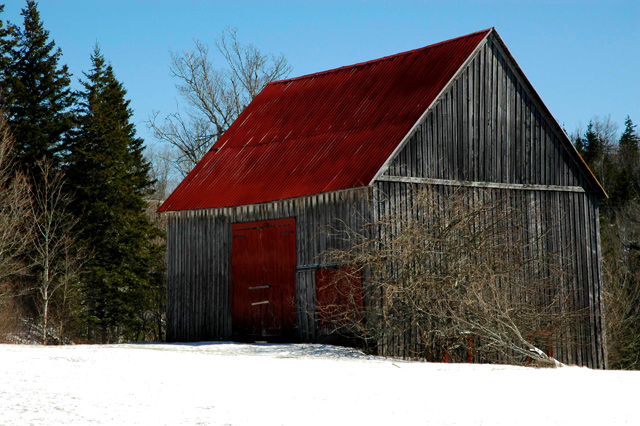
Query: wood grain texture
(498, 137)
(199, 258)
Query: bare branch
(214, 97)
(457, 278)
(55, 255)
(14, 208)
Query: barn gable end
(489, 125)
(489, 132)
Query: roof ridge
(384, 58)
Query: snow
(268, 384)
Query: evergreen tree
(592, 147)
(579, 144)
(629, 141)
(36, 93)
(621, 189)
(598, 151)
(110, 177)
(629, 153)
(6, 44)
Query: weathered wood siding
(560, 224)
(199, 255)
(488, 126)
(488, 130)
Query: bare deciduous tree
(161, 160)
(214, 97)
(14, 230)
(456, 275)
(55, 255)
(620, 234)
(14, 207)
(68, 306)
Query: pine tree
(36, 92)
(599, 153)
(110, 177)
(621, 189)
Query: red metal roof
(321, 132)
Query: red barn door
(263, 261)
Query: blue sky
(583, 57)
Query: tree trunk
(45, 318)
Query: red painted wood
(263, 261)
(338, 296)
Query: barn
(243, 239)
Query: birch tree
(54, 255)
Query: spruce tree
(598, 154)
(110, 177)
(592, 147)
(6, 44)
(36, 92)
(629, 153)
(629, 140)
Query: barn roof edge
(378, 60)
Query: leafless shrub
(621, 266)
(622, 303)
(451, 278)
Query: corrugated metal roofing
(321, 132)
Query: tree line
(79, 254)
(82, 251)
(615, 161)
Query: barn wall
(562, 225)
(199, 256)
(487, 130)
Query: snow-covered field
(239, 384)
